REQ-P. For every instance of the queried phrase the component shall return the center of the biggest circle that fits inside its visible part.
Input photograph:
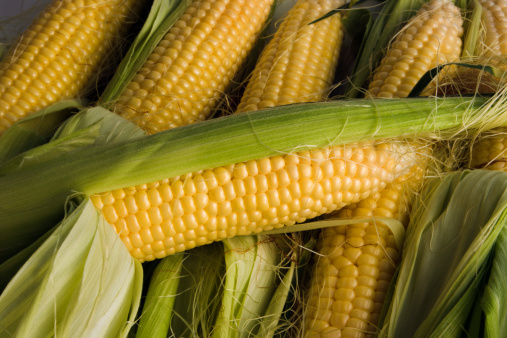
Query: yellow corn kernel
(186, 75)
(299, 63)
(179, 213)
(61, 53)
(431, 38)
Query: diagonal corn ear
(61, 54)
(81, 281)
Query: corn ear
(60, 55)
(377, 38)
(216, 142)
(163, 14)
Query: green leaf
(199, 292)
(252, 264)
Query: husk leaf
(36, 129)
(81, 281)
(453, 229)
(252, 264)
(199, 292)
(158, 306)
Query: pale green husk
(81, 282)
(158, 306)
(454, 229)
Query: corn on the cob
(494, 19)
(355, 268)
(491, 152)
(431, 38)
(60, 54)
(299, 63)
(187, 73)
(172, 215)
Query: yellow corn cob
(431, 38)
(494, 18)
(188, 72)
(60, 54)
(356, 264)
(299, 63)
(491, 152)
(172, 215)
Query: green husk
(453, 230)
(163, 14)
(494, 300)
(158, 307)
(80, 282)
(36, 129)
(472, 29)
(270, 322)
(199, 292)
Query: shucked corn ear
(356, 264)
(494, 18)
(60, 54)
(491, 151)
(172, 215)
(431, 38)
(190, 69)
(299, 63)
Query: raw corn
(356, 264)
(491, 152)
(431, 38)
(61, 53)
(298, 64)
(173, 215)
(494, 18)
(188, 72)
